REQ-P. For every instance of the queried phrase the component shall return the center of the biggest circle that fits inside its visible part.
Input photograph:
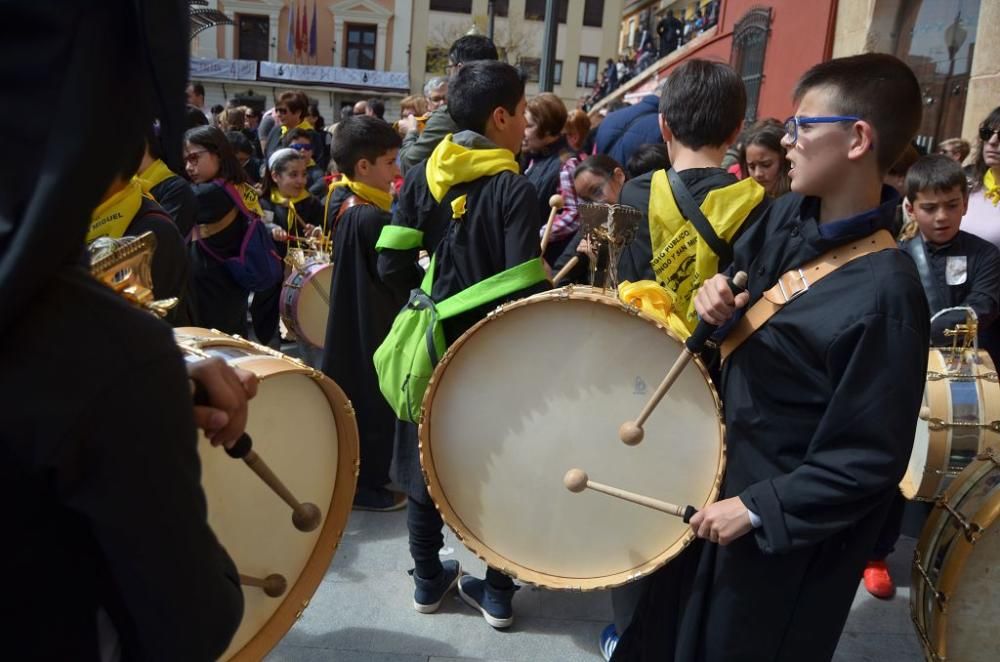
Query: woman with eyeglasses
(225, 205)
(301, 141)
(290, 112)
(293, 213)
(983, 217)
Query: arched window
(749, 45)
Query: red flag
(305, 31)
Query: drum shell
(246, 500)
(607, 312)
(955, 589)
(304, 288)
(954, 398)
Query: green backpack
(405, 360)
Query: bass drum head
(914, 478)
(317, 462)
(307, 302)
(542, 388)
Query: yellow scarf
(990, 188)
(450, 164)
(278, 199)
(155, 174)
(250, 199)
(304, 124)
(378, 197)
(113, 216)
(681, 260)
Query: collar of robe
(376, 196)
(304, 124)
(113, 216)
(990, 188)
(451, 164)
(279, 199)
(155, 174)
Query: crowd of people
(809, 503)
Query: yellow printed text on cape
(114, 215)
(682, 260)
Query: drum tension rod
(972, 530)
(936, 424)
(940, 598)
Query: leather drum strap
(797, 282)
(206, 230)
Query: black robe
(174, 194)
(169, 269)
(499, 231)
(362, 309)
(820, 410)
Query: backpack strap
(692, 212)
(793, 284)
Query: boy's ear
(499, 117)
(665, 131)
(862, 140)
(908, 206)
(965, 204)
(362, 167)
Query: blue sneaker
(430, 592)
(494, 604)
(608, 641)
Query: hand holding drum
(631, 432)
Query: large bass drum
(317, 462)
(960, 417)
(955, 595)
(541, 386)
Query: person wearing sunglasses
(302, 142)
(290, 111)
(983, 217)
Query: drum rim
(297, 597)
(480, 548)
(957, 556)
(289, 310)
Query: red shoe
(877, 580)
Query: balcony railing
(249, 70)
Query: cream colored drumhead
(314, 304)
(910, 485)
(543, 388)
(316, 461)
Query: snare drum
(955, 594)
(317, 462)
(305, 302)
(960, 417)
(541, 386)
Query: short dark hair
(197, 88)
(479, 88)
(599, 164)
(296, 134)
(649, 157)
(295, 101)
(194, 117)
(703, 103)
(153, 144)
(877, 87)
(214, 140)
(377, 106)
(239, 142)
(472, 47)
(361, 137)
(935, 172)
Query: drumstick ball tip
(556, 201)
(576, 480)
(630, 433)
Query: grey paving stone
(304, 654)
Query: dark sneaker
(378, 499)
(430, 592)
(494, 604)
(608, 641)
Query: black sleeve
(521, 221)
(438, 125)
(142, 495)
(983, 294)
(860, 449)
(177, 199)
(370, 224)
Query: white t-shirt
(983, 218)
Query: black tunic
(499, 231)
(362, 309)
(820, 410)
(174, 194)
(170, 260)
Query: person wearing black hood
(362, 307)
(108, 550)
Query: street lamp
(954, 38)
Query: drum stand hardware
(274, 585)
(124, 266)
(631, 432)
(577, 480)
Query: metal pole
(490, 15)
(548, 68)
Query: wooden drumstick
(274, 586)
(576, 480)
(556, 202)
(305, 516)
(631, 432)
(568, 267)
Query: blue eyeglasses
(792, 124)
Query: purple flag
(290, 43)
(312, 33)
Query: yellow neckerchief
(990, 188)
(155, 174)
(278, 199)
(304, 124)
(376, 196)
(681, 260)
(450, 164)
(113, 216)
(250, 199)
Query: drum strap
(915, 247)
(351, 201)
(793, 284)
